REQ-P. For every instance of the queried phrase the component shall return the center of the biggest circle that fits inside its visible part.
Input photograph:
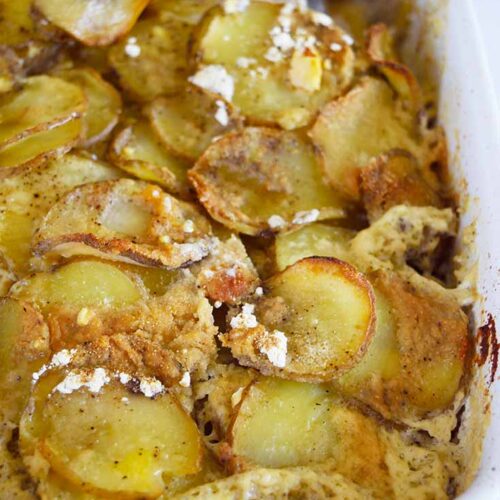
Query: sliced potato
(262, 179)
(416, 361)
(153, 59)
(257, 46)
(137, 150)
(190, 11)
(104, 103)
(394, 179)
(125, 220)
(380, 50)
(27, 196)
(16, 23)
(357, 127)
(317, 240)
(282, 423)
(98, 22)
(188, 123)
(294, 335)
(105, 449)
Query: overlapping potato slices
(41, 120)
(277, 61)
(295, 335)
(262, 179)
(188, 123)
(98, 22)
(103, 103)
(137, 150)
(152, 59)
(125, 220)
(27, 196)
(90, 429)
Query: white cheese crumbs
(321, 18)
(84, 316)
(74, 381)
(167, 204)
(185, 381)
(221, 115)
(165, 239)
(192, 251)
(246, 318)
(276, 221)
(125, 400)
(151, 387)
(274, 346)
(245, 62)
(232, 272)
(208, 273)
(335, 47)
(60, 359)
(259, 291)
(217, 304)
(124, 378)
(281, 39)
(236, 397)
(307, 216)
(235, 6)
(188, 226)
(348, 39)
(215, 78)
(273, 54)
(131, 47)
(155, 193)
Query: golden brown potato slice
(417, 358)
(188, 123)
(262, 179)
(279, 61)
(152, 60)
(95, 22)
(104, 449)
(314, 322)
(317, 240)
(281, 423)
(137, 150)
(394, 179)
(42, 120)
(104, 103)
(380, 49)
(24, 347)
(125, 220)
(124, 318)
(28, 195)
(357, 127)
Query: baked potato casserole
(226, 270)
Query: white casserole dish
(450, 33)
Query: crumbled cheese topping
(75, 380)
(60, 359)
(193, 251)
(84, 316)
(335, 47)
(306, 216)
(348, 39)
(151, 387)
(259, 291)
(131, 47)
(246, 318)
(232, 271)
(321, 18)
(215, 78)
(188, 226)
(274, 346)
(124, 378)
(185, 381)
(274, 54)
(236, 397)
(235, 6)
(276, 221)
(167, 204)
(221, 115)
(217, 304)
(245, 62)
(208, 273)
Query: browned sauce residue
(488, 346)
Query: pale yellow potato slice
(190, 11)
(380, 49)
(316, 239)
(16, 23)
(281, 423)
(104, 103)
(261, 179)
(188, 123)
(106, 449)
(94, 22)
(294, 334)
(362, 124)
(125, 220)
(273, 86)
(27, 196)
(395, 178)
(417, 358)
(137, 150)
(152, 60)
